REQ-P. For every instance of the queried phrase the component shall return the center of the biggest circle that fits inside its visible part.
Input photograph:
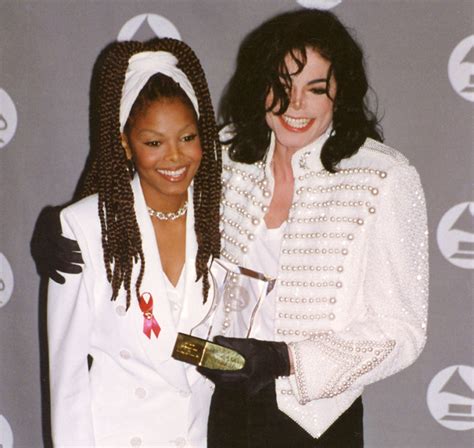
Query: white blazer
(135, 394)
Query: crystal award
(238, 295)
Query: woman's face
(310, 111)
(164, 143)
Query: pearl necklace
(171, 216)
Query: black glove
(50, 250)
(264, 361)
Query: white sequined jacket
(352, 289)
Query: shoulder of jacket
(80, 220)
(231, 167)
(83, 206)
(380, 151)
(379, 158)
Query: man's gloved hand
(264, 361)
(50, 250)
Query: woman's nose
(172, 154)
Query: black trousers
(239, 421)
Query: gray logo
(147, 26)
(6, 280)
(319, 4)
(461, 68)
(455, 235)
(8, 118)
(6, 433)
(450, 397)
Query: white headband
(141, 67)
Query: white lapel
(159, 348)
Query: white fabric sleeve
(69, 328)
(391, 331)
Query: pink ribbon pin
(149, 324)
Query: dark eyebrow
(153, 131)
(315, 81)
(149, 131)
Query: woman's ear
(126, 146)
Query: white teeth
(173, 173)
(296, 122)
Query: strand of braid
(108, 176)
(207, 182)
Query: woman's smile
(173, 175)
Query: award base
(201, 352)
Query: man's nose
(296, 100)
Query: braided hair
(107, 171)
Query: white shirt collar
(304, 159)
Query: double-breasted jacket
(135, 393)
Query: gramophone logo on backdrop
(6, 433)
(461, 68)
(450, 397)
(319, 4)
(455, 235)
(8, 118)
(6, 281)
(148, 26)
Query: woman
(147, 227)
(313, 198)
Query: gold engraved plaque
(201, 352)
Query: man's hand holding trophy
(232, 357)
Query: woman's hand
(51, 251)
(264, 361)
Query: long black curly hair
(107, 171)
(261, 68)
